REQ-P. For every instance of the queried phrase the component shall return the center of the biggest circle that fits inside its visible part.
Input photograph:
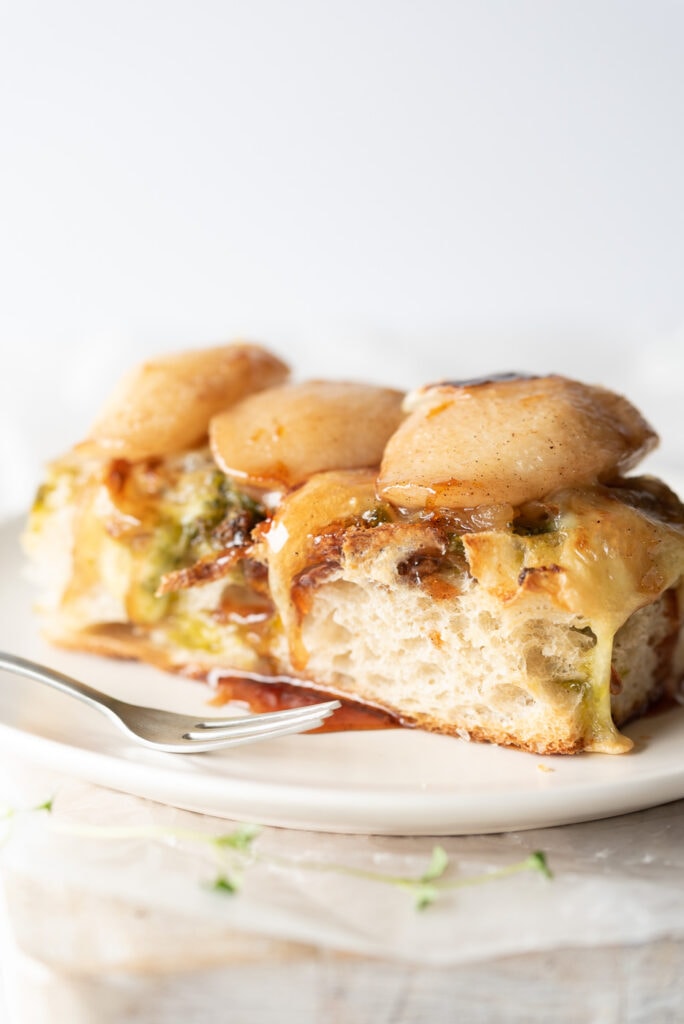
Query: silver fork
(165, 730)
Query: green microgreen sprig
(8, 816)
(233, 853)
(427, 887)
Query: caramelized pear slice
(279, 438)
(165, 405)
(508, 440)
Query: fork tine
(305, 711)
(265, 725)
(207, 744)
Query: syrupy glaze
(262, 694)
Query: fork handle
(24, 667)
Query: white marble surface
(126, 888)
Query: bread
(469, 558)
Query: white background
(393, 190)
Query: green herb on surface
(233, 853)
(431, 884)
(224, 884)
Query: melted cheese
(607, 560)
(296, 531)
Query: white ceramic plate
(396, 782)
